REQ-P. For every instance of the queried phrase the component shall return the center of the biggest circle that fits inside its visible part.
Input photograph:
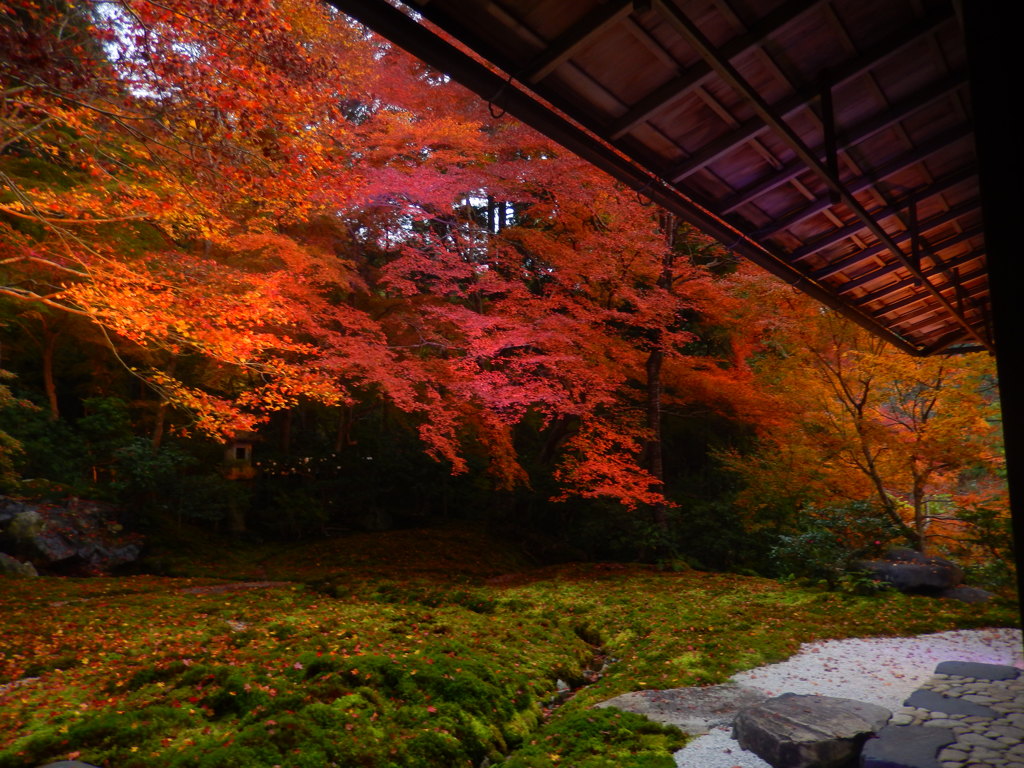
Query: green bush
(829, 539)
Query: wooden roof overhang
(829, 141)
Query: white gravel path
(879, 670)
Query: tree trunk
(160, 419)
(49, 381)
(236, 517)
(343, 437)
(286, 433)
(654, 459)
(920, 513)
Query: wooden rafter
(729, 74)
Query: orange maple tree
(266, 188)
(857, 419)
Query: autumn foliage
(257, 209)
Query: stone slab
(808, 731)
(936, 702)
(693, 710)
(977, 670)
(906, 746)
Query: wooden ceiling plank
(726, 71)
(952, 214)
(565, 45)
(727, 117)
(911, 300)
(648, 41)
(871, 58)
(678, 87)
(853, 136)
(891, 267)
(945, 342)
(856, 185)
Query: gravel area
(879, 670)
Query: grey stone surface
(968, 594)
(692, 710)
(10, 566)
(913, 572)
(981, 740)
(945, 705)
(25, 525)
(75, 534)
(977, 671)
(906, 746)
(808, 731)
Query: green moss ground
(414, 648)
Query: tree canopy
(256, 218)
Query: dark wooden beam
(849, 138)
(993, 55)
(687, 82)
(951, 214)
(728, 73)
(874, 178)
(893, 266)
(870, 58)
(881, 293)
(945, 342)
(569, 42)
(895, 306)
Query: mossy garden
(410, 648)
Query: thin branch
(77, 222)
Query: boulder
(25, 526)
(968, 594)
(808, 731)
(10, 566)
(74, 537)
(9, 509)
(914, 573)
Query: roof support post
(993, 54)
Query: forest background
(264, 273)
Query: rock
(949, 705)
(978, 670)
(914, 573)
(10, 566)
(693, 710)
(9, 509)
(75, 537)
(53, 547)
(808, 731)
(25, 526)
(912, 746)
(69, 764)
(968, 594)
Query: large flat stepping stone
(693, 710)
(908, 746)
(977, 670)
(951, 705)
(808, 731)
